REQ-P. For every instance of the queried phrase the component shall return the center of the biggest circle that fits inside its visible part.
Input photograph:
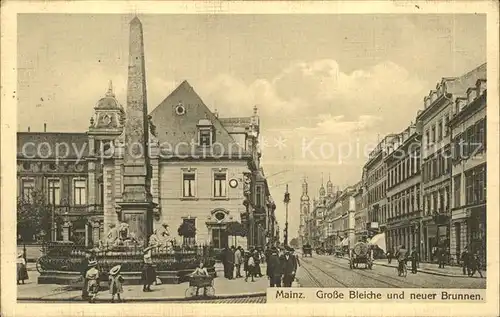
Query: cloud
(309, 89)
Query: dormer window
(471, 95)
(206, 136)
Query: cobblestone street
(329, 271)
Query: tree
(187, 230)
(294, 242)
(236, 229)
(34, 217)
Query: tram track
(318, 281)
(370, 275)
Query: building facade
(199, 167)
(436, 160)
(468, 211)
(376, 186)
(403, 190)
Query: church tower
(305, 206)
(329, 187)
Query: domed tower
(305, 206)
(329, 187)
(322, 190)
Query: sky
(327, 87)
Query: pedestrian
(292, 252)
(226, 262)
(475, 265)
(148, 272)
(84, 266)
(238, 259)
(289, 267)
(414, 260)
(201, 271)
(441, 257)
(465, 261)
(115, 283)
(231, 262)
(389, 256)
(92, 277)
(22, 272)
(256, 257)
(274, 269)
(250, 267)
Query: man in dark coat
(228, 262)
(465, 260)
(414, 260)
(83, 271)
(441, 257)
(274, 269)
(289, 267)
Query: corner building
(436, 160)
(468, 213)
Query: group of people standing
(282, 264)
(235, 257)
(282, 267)
(471, 263)
(92, 278)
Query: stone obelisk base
(139, 217)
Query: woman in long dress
(22, 272)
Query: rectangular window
(439, 130)
(480, 185)
(469, 184)
(427, 138)
(220, 185)
(456, 191)
(80, 191)
(189, 240)
(205, 137)
(54, 192)
(258, 196)
(446, 122)
(188, 183)
(27, 188)
(433, 134)
(100, 198)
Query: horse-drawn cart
(361, 254)
(306, 250)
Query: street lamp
(286, 200)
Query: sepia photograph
(232, 158)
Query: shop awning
(379, 241)
(345, 242)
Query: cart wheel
(210, 291)
(191, 292)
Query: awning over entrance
(379, 240)
(344, 242)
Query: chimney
(29, 129)
(45, 127)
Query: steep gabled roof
(177, 132)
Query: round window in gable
(180, 110)
(220, 216)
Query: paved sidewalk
(431, 268)
(224, 288)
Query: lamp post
(286, 200)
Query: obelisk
(137, 205)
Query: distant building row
(424, 187)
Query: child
(22, 272)
(115, 283)
(200, 271)
(92, 276)
(251, 267)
